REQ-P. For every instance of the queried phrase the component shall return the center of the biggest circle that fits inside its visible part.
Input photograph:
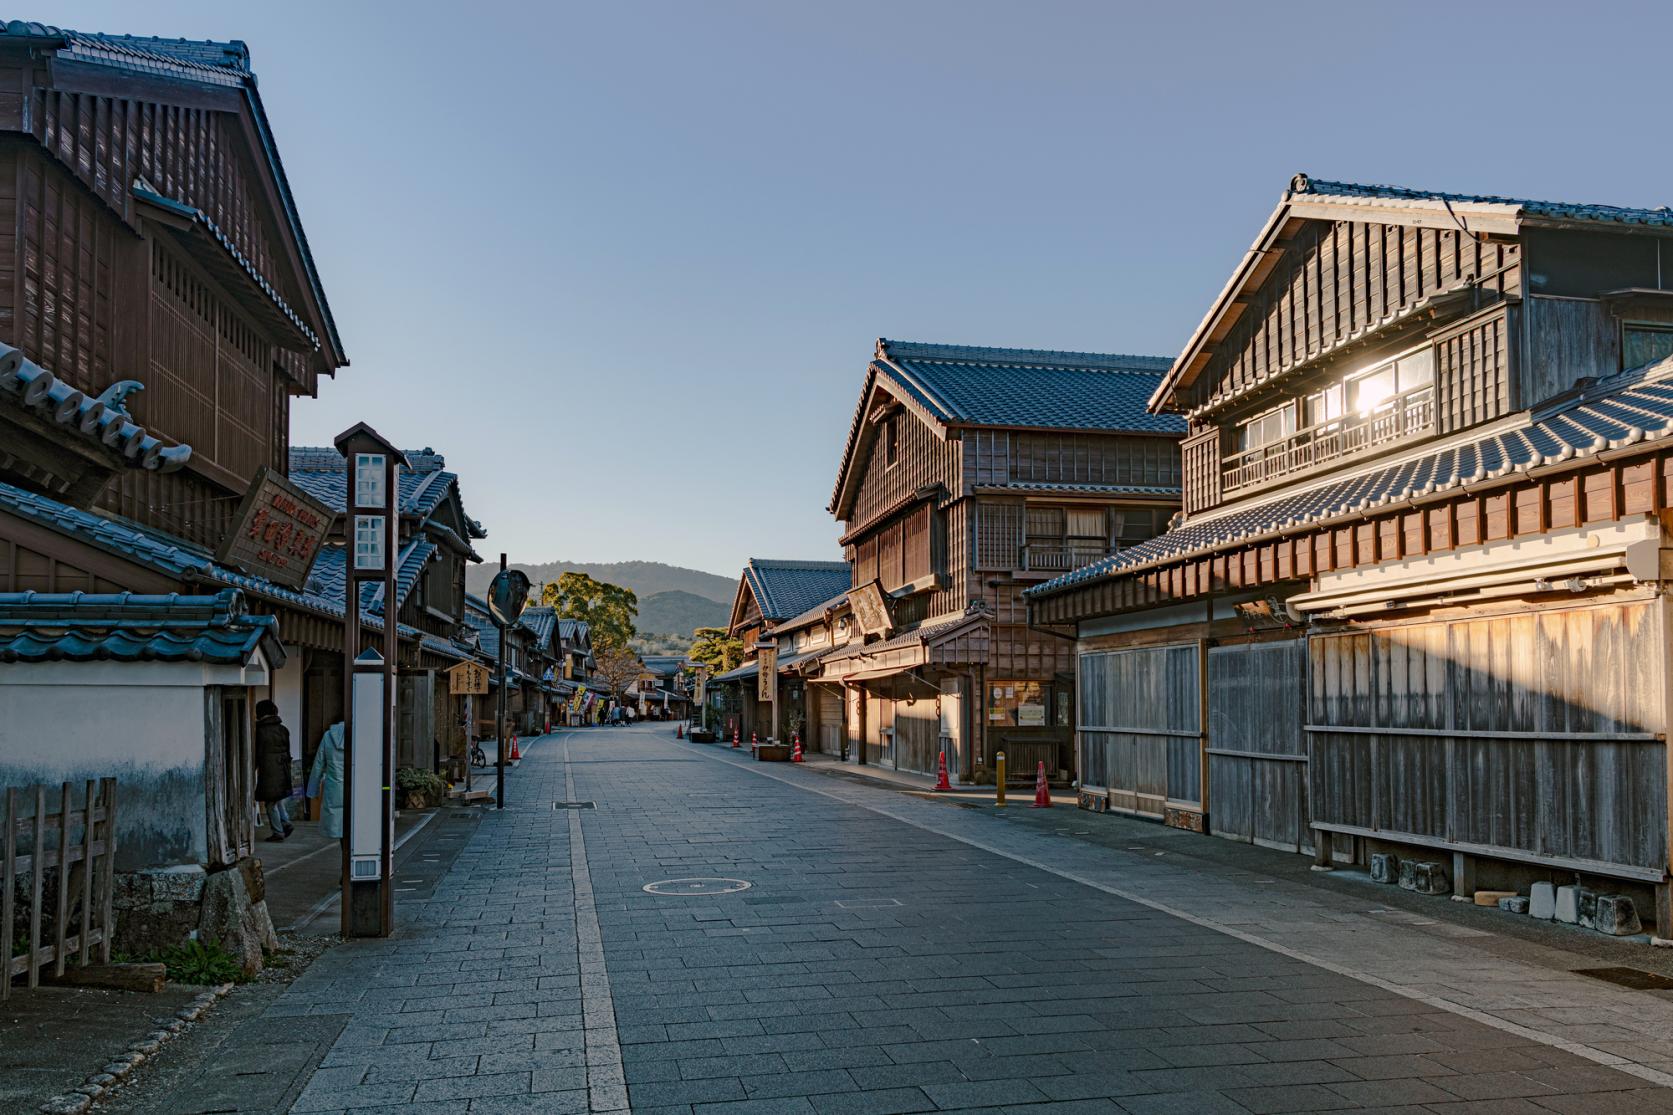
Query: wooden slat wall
(1520, 506)
(1566, 678)
(1139, 726)
(1473, 373)
(1025, 456)
(998, 534)
(1337, 280)
(1256, 694)
(923, 460)
(1568, 339)
(1200, 465)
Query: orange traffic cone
(941, 783)
(1042, 792)
(516, 755)
(796, 752)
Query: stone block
(1568, 905)
(1385, 867)
(1426, 877)
(1515, 904)
(1617, 916)
(1542, 901)
(230, 918)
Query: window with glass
(1645, 344)
(1265, 429)
(368, 541)
(368, 480)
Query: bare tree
(618, 666)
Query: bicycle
(479, 757)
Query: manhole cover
(574, 805)
(1635, 978)
(696, 886)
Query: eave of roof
(129, 627)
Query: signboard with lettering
(467, 679)
(767, 680)
(277, 531)
(870, 610)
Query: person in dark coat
(273, 768)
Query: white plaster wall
(140, 722)
(286, 692)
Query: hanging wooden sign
(766, 662)
(468, 679)
(276, 532)
(871, 612)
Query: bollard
(999, 789)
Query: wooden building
(968, 475)
(1415, 600)
(775, 601)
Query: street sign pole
(499, 718)
(506, 597)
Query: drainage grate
(574, 805)
(1635, 978)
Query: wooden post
(1463, 875)
(37, 865)
(61, 910)
(1664, 909)
(8, 878)
(860, 739)
(1202, 721)
(87, 864)
(107, 927)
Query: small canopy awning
(957, 642)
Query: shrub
(420, 788)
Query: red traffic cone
(1042, 792)
(516, 755)
(679, 731)
(796, 752)
(734, 737)
(941, 783)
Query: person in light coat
(325, 781)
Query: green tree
(713, 646)
(609, 611)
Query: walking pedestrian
(273, 783)
(325, 781)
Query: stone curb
(120, 1067)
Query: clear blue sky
(624, 263)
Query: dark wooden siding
(997, 457)
(1569, 339)
(1335, 282)
(1257, 751)
(1532, 734)
(923, 460)
(1200, 462)
(1140, 726)
(1473, 372)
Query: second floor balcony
(1061, 555)
(1400, 417)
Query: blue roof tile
(1660, 216)
(1626, 409)
(784, 589)
(128, 627)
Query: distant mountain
(647, 578)
(680, 613)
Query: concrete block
(1586, 904)
(1426, 877)
(1515, 904)
(1617, 916)
(1492, 897)
(1385, 867)
(1568, 905)
(1542, 901)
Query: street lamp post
(506, 597)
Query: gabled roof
(783, 589)
(542, 621)
(224, 64)
(954, 386)
(1313, 198)
(1627, 409)
(129, 627)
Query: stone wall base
(163, 908)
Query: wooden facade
(1453, 645)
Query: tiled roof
(747, 670)
(788, 588)
(663, 665)
(127, 627)
(967, 385)
(1660, 216)
(424, 481)
(542, 620)
(571, 630)
(175, 558)
(1624, 410)
(102, 419)
(1160, 491)
(447, 648)
(815, 613)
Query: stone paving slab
(878, 964)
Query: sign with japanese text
(871, 612)
(277, 531)
(468, 679)
(767, 680)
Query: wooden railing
(76, 848)
(1401, 417)
(1061, 557)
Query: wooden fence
(76, 847)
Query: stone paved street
(875, 966)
